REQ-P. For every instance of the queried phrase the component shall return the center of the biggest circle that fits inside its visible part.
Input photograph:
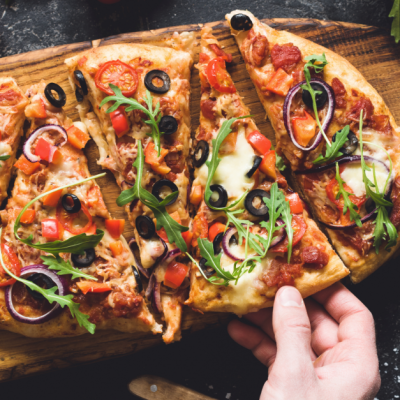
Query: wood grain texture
(369, 49)
(150, 387)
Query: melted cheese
(81, 126)
(4, 148)
(353, 177)
(232, 170)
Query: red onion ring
(350, 160)
(225, 244)
(145, 272)
(156, 301)
(171, 255)
(164, 253)
(281, 234)
(150, 286)
(61, 283)
(37, 132)
(329, 115)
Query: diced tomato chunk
(93, 287)
(52, 199)
(116, 248)
(36, 110)
(215, 229)
(115, 227)
(187, 237)
(157, 163)
(259, 142)
(267, 165)
(119, 121)
(76, 137)
(304, 128)
(280, 83)
(296, 206)
(175, 274)
(43, 149)
(26, 166)
(52, 229)
(196, 195)
(28, 216)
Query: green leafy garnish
(332, 151)
(212, 165)
(64, 267)
(395, 14)
(348, 205)
(164, 220)
(279, 162)
(5, 157)
(153, 115)
(76, 244)
(318, 62)
(50, 296)
(382, 220)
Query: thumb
(292, 333)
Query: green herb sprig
(76, 244)
(384, 228)
(153, 115)
(164, 220)
(51, 297)
(395, 14)
(65, 268)
(4, 157)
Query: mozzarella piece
(4, 149)
(232, 170)
(353, 177)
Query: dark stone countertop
(207, 361)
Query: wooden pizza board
(369, 49)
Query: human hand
(322, 348)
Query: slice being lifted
(235, 167)
(135, 104)
(66, 268)
(338, 135)
(12, 117)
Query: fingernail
(290, 297)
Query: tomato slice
(119, 74)
(218, 76)
(93, 287)
(67, 220)
(332, 188)
(175, 274)
(299, 227)
(296, 205)
(215, 229)
(13, 264)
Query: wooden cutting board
(370, 49)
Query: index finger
(351, 314)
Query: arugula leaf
(64, 267)
(279, 162)
(318, 62)
(382, 220)
(50, 296)
(212, 165)
(153, 120)
(164, 220)
(333, 152)
(348, 205)
(5, 157)
(275, 204)
(395, 14)
(76, 244)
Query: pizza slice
(65, 266)
(251, 234)
(12, 117)
(135, 105)
(337, 134)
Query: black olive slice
(370, 205)
(78, 95)
(83, 260)
(320, 99)
(162, 183)
(350, 145)
(145, 226)
(262, 211)
(40, 280)
(217, 243)
(201, 153)
(208, 271)
(222, 199)
(138, 279)
(256, 164)
(163, 76)
(241, 22)
(62, 97)
(168, 125)
(71, 203)
(82, 81)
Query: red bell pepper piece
(52, 229)
(304, 128)
(119, 121)
(280, 83)
(267, 165)
(115, 227)
(259, 142)
(175, 274)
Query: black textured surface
(206, 361)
